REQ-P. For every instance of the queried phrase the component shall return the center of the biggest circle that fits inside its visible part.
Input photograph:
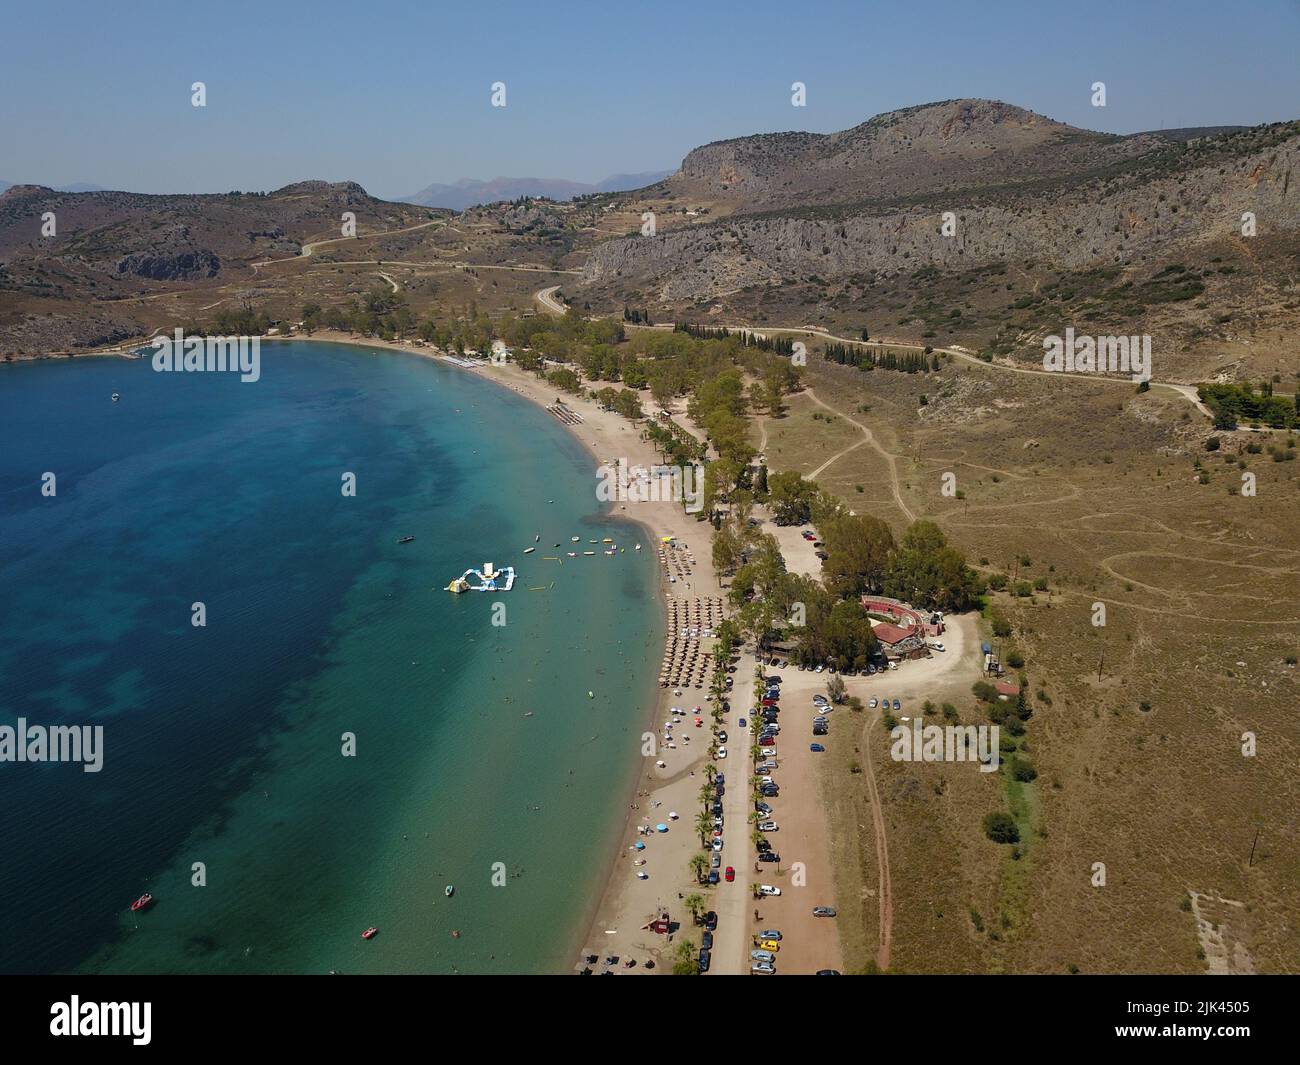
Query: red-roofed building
(1006, 689)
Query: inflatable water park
(490, 579)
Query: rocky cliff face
(1086, 200)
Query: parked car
(768, 856)
(820, 699)
(770, 933)
(816, 748)
(711, 921)
(823, 911)
(819, 668)
(767, 741)
(730, 874)
(897, 705)
(706, 941)
(706, 956)
(872, 703)
(719, 779)
(722, 753)
(742, 722)
(766, 968)
(769, 945)
(828, 972)
(770, 891)
(722, 736)
(767, 826)
(715, 860)
(774, 679)
(762, 808)
(717, 843)
(938, 647)
(713, 876)
(762, 955)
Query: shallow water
(223, 743)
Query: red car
(767, 741)
(770, 702)
(730, 874)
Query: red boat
(142, 903)
(370, 933)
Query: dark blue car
(816, 747)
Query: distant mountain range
(79, 186)
(469, 192)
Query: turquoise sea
(223, 743)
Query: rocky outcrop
(178, 266)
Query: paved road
(734, 901)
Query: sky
(399, 95)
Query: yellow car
(769, 944)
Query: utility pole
(1252, 850)
(1100, 658)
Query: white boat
(529, 550)
(449, 890)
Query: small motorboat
(142, 903)
(589, 552)
(537, 537)
(116, 397)
(529, 550)
(405, 539)
(370, 933)
(449, 890)
(572, 554)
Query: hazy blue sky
(396, 95)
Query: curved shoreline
(616, 900)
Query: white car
(722, 752)
(872, 703)
(766, 780)
(820, 669)
(938, 647)
(893, 665)
(768, 889)
(767, 826)
(766, 767)
(764, 967)
(717, 843)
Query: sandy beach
(623, 904)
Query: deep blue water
(222, 744)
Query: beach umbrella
(640, 845)
(661, 827)
(672, 815)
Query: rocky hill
(112, 249)
(1021, 187)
